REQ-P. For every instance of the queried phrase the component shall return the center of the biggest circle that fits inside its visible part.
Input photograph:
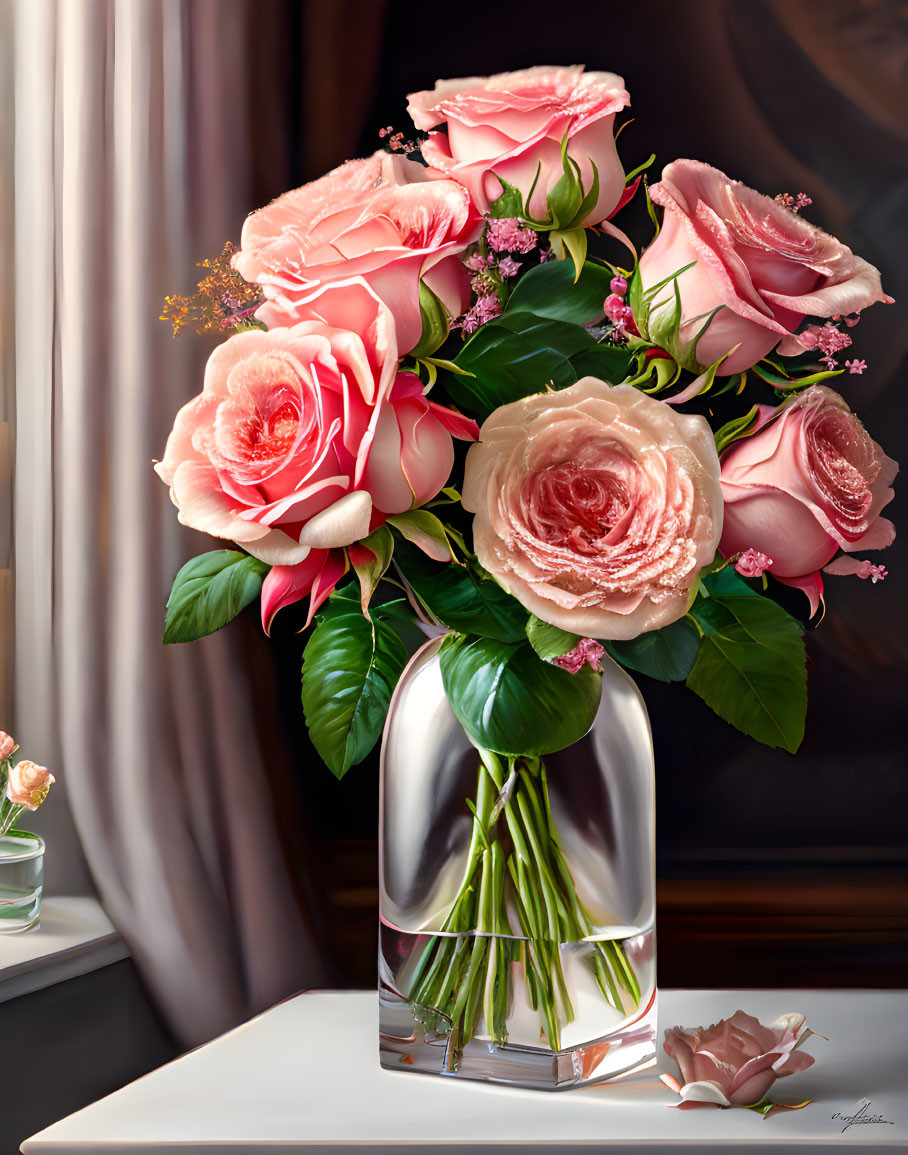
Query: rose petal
(340, 524)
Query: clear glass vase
(517, 896)
(21, 880)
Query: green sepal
(381, 544)
(509, 204)
(209, 591)
(425, 531)
(436, 323)
(570, 243)
(350, 668)
(736, 429)
(635, 172)
(775, 375)
(511, 702)
(566, 195)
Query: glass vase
(21, 880)
(517, 896)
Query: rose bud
(761, 266)
(512, 126)
(809, 483)
(7, 745)
(382, 219)
(28, 784)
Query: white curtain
(130, 167)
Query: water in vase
(21, 880)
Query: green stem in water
(465, 972)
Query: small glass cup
(21, 880)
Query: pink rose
(811, 481)
(766, 266)
(512, 125)
(596, 506)
(735, 1062)
(7, 745)
(382, 219)
(304, 439)
(28, 784)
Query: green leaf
(549, 641)
(667, 654)
(381, 545)
(511, 702)
(610, 363)
(425, 531)
(350, 669)
(751, 665)
(464, 598)
(209, 591)
(515, 356)
(550, 290)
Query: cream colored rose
(596, 506)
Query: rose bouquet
(654, 450)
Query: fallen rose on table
(735, 1062)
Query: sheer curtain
(129, 167)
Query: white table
(305, 1075)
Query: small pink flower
(477, 263)
(856, 366)
(28, 784)
(510, 268)
(7, 745)
(618, 285)
(851, 566)
(615, 309)
(505, 235)
(752, 563)
(735, 1062)
(485, 309)
(586, 650)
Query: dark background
(773, 870)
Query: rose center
(576, 508)
(844, 463)
(263, 421)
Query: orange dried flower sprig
(223, 300)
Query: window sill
(72, 937)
